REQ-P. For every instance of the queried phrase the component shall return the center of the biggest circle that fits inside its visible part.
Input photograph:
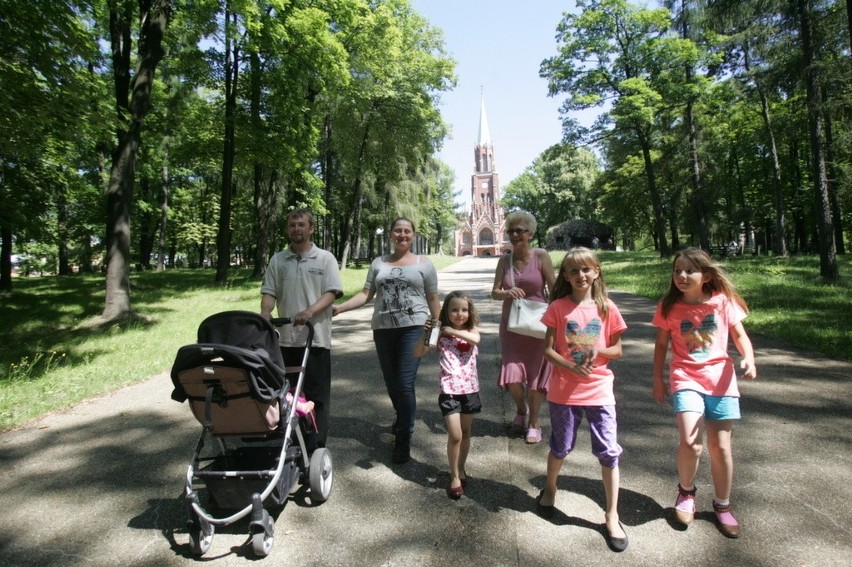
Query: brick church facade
(481, 233)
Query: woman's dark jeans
(395, 348)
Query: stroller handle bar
(280, 321)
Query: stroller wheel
(262, 544)
(198, 540)
(320, 475)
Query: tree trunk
(355, 210)
(656, 201)
(62, 229)
(697, 196)
(164, 215)
(261, 211)
(154, 18)
(849, 21)
(832, 185)
(147, 228)
(86, 255)
(261, 216)
(232, 66)
(5, 255)
(825, 229)
(779, 242)
(328, 179)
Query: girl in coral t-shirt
(695, 317)
(584, 330)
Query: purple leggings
(565, 421)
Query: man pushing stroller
(303, 281)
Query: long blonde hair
(717, 280)
(582, 256)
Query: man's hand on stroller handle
(302, 317)
(281, 321)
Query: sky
(498, 46)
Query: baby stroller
(255, 424)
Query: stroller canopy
(235, 338)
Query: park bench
(359, 262)
(724, 250)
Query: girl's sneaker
(685, 505)
(728, 525)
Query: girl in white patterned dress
(459, 396)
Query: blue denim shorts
(713, 408)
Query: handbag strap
(512, 271)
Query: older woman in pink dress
(524, 372)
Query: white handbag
(525, 315)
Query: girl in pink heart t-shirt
(696, 317)
(584, 330)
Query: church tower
(482, 232)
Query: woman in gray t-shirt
(405, 286)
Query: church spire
(484, 134)
(482, 233)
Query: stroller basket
(232, 479)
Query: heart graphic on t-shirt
(580, 341)
(698, 338)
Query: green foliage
(558, 186)
(731, 71)
(366, 70)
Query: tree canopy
(709, 130)
(164, 133)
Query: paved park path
(100, 484)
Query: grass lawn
(54, 354)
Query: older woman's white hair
(521, 217)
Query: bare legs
(721, 457)
(554, 465)
(691, 428)
(535, 399)
(517, 393)
(611, 478)
(458, 445)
